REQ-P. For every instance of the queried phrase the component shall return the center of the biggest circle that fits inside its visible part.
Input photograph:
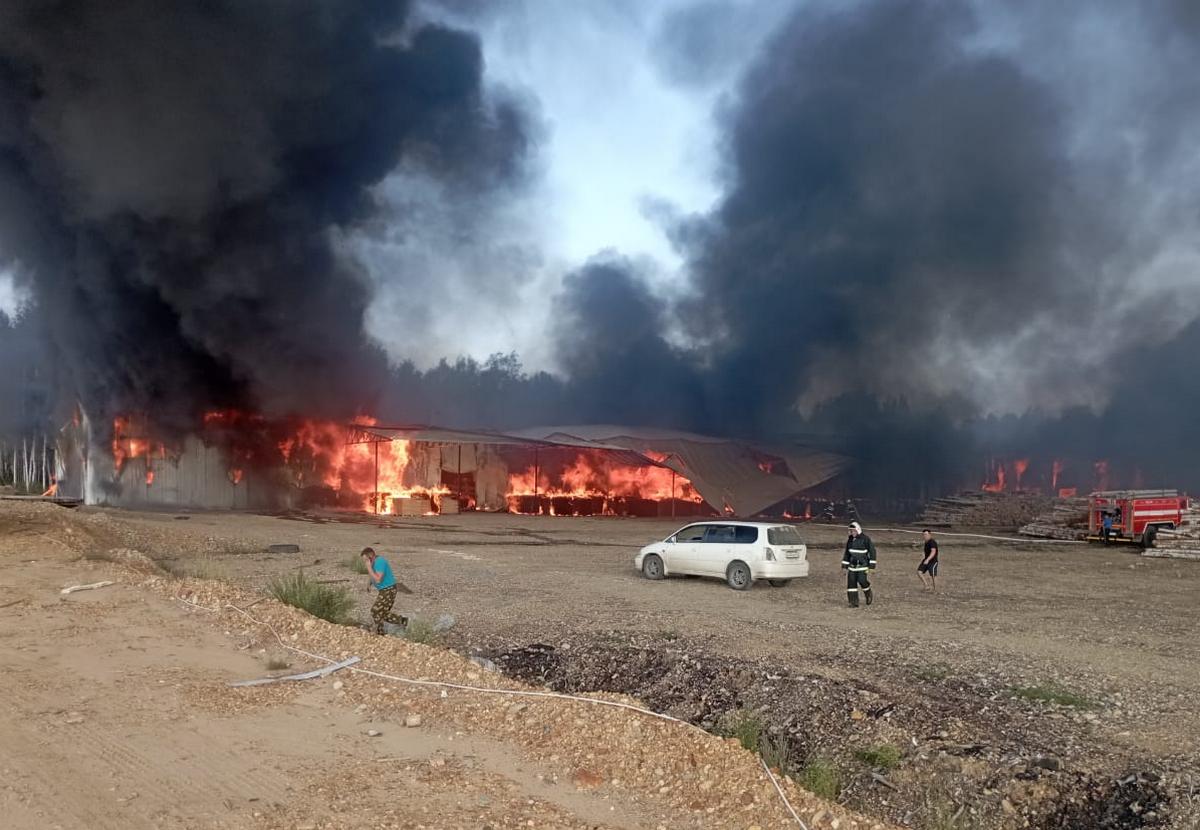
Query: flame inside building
(237, 460)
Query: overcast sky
(630, 97)
(921, 198)
(622, 131)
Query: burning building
(236, 461)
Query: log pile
(1181, 543)
(977, 508)
(1066, 519)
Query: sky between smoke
(925, 199)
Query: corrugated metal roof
(727, 473)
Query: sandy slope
(118, 715)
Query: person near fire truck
(858, 561)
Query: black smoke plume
(932, 214)
(174, 176)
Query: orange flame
(317, 453)
(1019, 467)
(377, 475)
(125, 447)
(996, 486)
(591, 476)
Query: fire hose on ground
(442, 684)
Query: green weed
(743, 724)
(821, 777)
(421, 631)
(881, 756)
(332, 603)
(1052, 693)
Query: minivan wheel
(778, 583)
(652, 567)
(738, 576)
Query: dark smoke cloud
(892, 194)
(932, 213)
(702, 43)
(930, 203)
(172, 176)
(27, 386)
(622, 367)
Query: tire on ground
(652, 566)
(738, 576)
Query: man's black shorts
(928, 568)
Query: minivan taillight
(770, 554)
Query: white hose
(487, 690)
(1022, 539)
(779, 790)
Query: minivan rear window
(784, 535)
(745, 535)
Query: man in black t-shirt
(929, 563)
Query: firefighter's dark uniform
(857, 562)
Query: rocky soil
(1047, 686)
(966, 747)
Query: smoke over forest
(930, 216)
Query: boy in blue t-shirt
(384, 581)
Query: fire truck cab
(1137, 515)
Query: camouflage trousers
(381, 611)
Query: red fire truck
(1137, 515)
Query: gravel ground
(935, 676)
(121, 715)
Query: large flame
(376, 475)
(318, 453)
(592, 476)
(126, 445)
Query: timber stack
(1066, 519)
(1181, 543)
(981, 508)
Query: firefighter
(857, 562)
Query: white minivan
(738, 552)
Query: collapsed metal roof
(733, 476)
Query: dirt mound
(877, 742)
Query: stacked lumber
(978, 508)
(447, 505)
(1066, 519)
(1181, 543)
(412, 506)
